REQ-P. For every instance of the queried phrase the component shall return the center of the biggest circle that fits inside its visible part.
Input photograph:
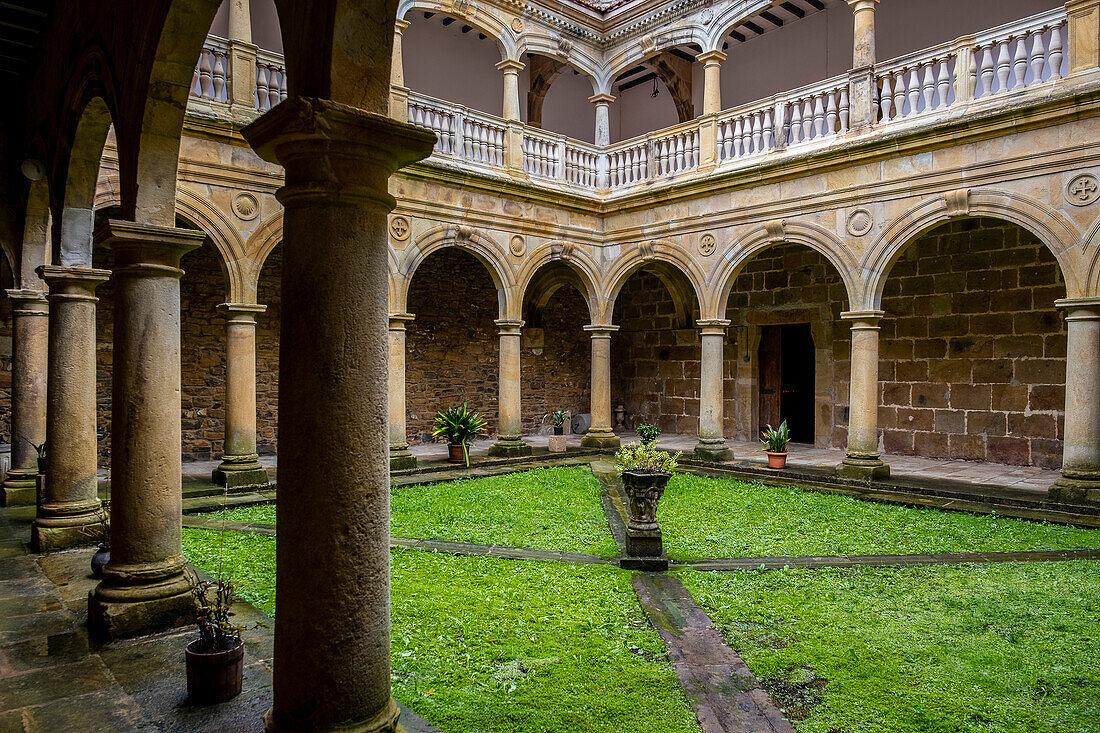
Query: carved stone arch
(729, 18)
(74, 205)
(481, 246)
(34, 248)
(636, 53)
(635, 259)
(579, 261)
(1090, 248)
(107, 193)
(578, 57)
(1051, 227)
(817, 238)
(484, 19)
(204, 215)
(257, 249)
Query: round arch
(575, 57)
(1052, 228)
(635, 54)
(204, 215)
(631, 262)
(72, 240)
(730, 17)
(483, 20)
(579, 261)
(822, 241)
(1091, 243)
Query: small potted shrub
(41, 451)
(215, 660)
(459, 426)
(645, 472)
(775, 444)
(556, 442)
(648, 434)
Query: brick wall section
(267, 353)
(973, 350)
(559, 376)
(654, 359)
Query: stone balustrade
(270, 80)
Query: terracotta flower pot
(777, 460)
(213, 677)
(455, 453)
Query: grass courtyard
(489, 644)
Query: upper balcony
(1012, 65)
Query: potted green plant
(459, 425)
(648, 434)
(775, 442)
(40, 449)
(215, 660)
(645, 472)
(558, 417)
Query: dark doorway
(787, 379)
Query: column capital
(601, 330)
(713, 323)
(601, 99)
(861, 5)
(72, 283)
(398, 321)
(511, 65)
(400, 25)
(241, 312)
(711, 57)
(1080, 309)
(863, 319)
(335, 154)
(509, 327)
(27, 302)
(147, 249)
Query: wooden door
(771, 361)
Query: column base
(56, 531)
(509, 448)
(237, 472)
(384, 721)
(18, 489)
(1075, 490)
(604, 440)
(116, 612)
(863, 469)
(713, 451)
(401, 459)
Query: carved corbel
(957, 202)
(777, 230)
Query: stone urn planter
(214, 677)
(644, 545)
(776, 460)
(556, 443)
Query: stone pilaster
(399, 93)
(240, 466)
(29, 366)
(1080, 480)
(712, 441)
(1083, 20)
(241, 56)
(599, 433)
(333, 511)
(400, 457)
(509, 424)
(862, 460)
(70, 509)
(144, 588)
(712, 81)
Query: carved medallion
(860, 222)
(399, 228)
(246, 206)
(1083, 190)
(707, 243)
(517, 246)
(517, 25)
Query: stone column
(1080, 480)
(29, 366)
(603, 118)
(511, 69)
(399, 93)
(862, 461)
(712, 81)
(240, 464)
(241, 56)
(862, 78)
(712, 440)
(509, 416)
(400, 457)
(144, 588)
(70, 509)
(599, 433)
(863, 52)
(332, 642)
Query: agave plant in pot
(645, 472)
(459, 425)
(775, 442)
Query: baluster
(782, 128)
(467, 140)
(757, 133)
(499, 147)
(1055, 53)
(483, 142)
(819, 117)
(830, 113)
(196, 87)
(1038, 59)
(845, 110)
(769, 130)
(886, 100)
(913, 92)
(943, 83)
(738, 138)
(620, 167)
(1004, 66)
(986, 72)
(721, 147)
(899, 95)
(807, 120)
(206, 79)
(695, 149)
(261, 89)
(282, 85)
(273, 88)
(1019, 63)
(928, 87)
(796, 123)
(219, 78)
(679, 165)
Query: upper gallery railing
(983, 67)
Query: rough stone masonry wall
(6, 281)
(973, 350)
(267, 353)
(557, 375)
(655, 359)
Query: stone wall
(556, 374)
(6, 281)
(973, 350)
(267, 353)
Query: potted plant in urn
(775, 444)
(459, 426)
(648, 434)
(645, 472)
(215, 660)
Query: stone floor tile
(53, 683)
(22, 605)
(14, 628)
(31, 585)
(43, 651)
(106, 711)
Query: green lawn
(707, 517)
(490, 645)
(546, 509)
(1011, 648)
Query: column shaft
(399, 94)
(332, 645)
(511, 69)
(862, 461)
(400, 457)
(712, 81)
(1080, 480)
(712, 440)
(863, 52)
(240, 465)
(29, 367)
(509, 416)
(599, 433)
(143, 587)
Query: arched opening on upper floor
(449, 59)
(972, 350)
(656, 93)
(557, 97)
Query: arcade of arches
(230, 233)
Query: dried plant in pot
(459, 425)
(215, 660)
(775, 442)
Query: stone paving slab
(725, 695)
